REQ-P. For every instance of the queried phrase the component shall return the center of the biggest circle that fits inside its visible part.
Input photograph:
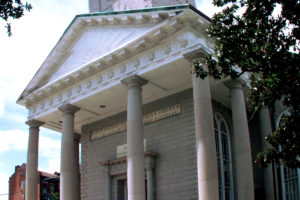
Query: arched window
(290, 178)
(222, 135)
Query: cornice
(169, 20)
(103, 72)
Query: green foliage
(55, 195)
(250, 37)
(12, 9)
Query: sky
(34, 36)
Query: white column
(67, 179)
(243, 160)
(265, 130)
(32, 160)
(135, 145)
(76, 166)
(207, 165)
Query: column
(243, 160)
(76, 166)
(108, 182)
(67, 179)
(32, 160)
(135, 144)
(265, 130)
(207, 165)
(149, 162)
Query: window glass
(222, 136)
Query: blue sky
(34, 36)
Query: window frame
(218, 119)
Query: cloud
(13, 140)
(208, 8)
(49, 154)
(1, 103)
(53, 165)
(3, 186)
(49, 147)
(34, 36)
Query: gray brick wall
(173, 138)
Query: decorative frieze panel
(148, 118)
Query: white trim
(87, 81)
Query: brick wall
(16, 192)
(173, 138)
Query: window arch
(223, 148)
(290, 178)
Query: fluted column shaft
(32, 160)
(135, 146)
(67, 178)
(265, 130)
(244, 171)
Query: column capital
(195, 55)
(69, 109)
(33, 123)
(149, 162)
(236, 83)
(134, 81)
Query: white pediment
(95, 43)
(98, 41)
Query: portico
(115, 79)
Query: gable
(95, 43)
(98, 40)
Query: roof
(72, 32)
(48, 175)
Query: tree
(12, 9)
(261, 38)
(55, 196)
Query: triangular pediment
(95, 43)
(98, 40)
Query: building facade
(47, 186)
(119, 82)
(17, 183)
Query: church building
(119, 83)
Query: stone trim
(118, 166)
(147, 118)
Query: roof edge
(105, 13)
